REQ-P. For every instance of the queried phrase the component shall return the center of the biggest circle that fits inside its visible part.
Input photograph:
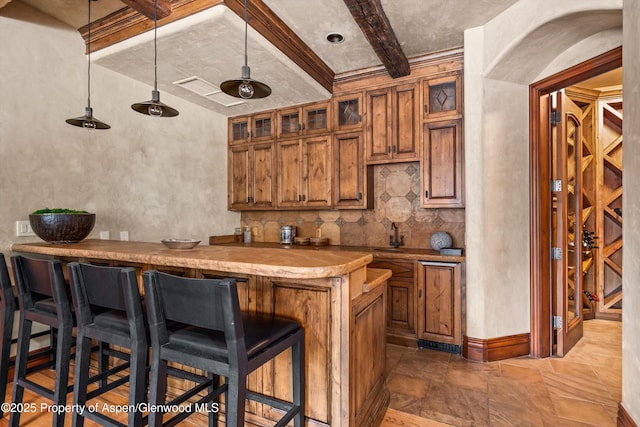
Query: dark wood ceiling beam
(146, 7)
(271, 27)
(375, 25)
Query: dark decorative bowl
(62, 227)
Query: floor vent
(432, 345)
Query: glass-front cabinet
(348, 111)
(304, 120)
(255, 128)
(441, 97)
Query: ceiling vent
(210, 91)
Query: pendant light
(154, 107)
(88, 121)
(245, 87)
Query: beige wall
(155, 178)
(631, 208)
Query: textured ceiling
(209, 44)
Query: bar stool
(220, 340)
(108, 309)
(43, 298)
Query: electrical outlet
(124, 235)
(23, 228)
(104, 235)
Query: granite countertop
(377, 252)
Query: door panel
(567, 223)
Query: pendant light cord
(246, 26)
(155, 47)
(89, 57)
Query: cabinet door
(316, 179)
(441, 166)
(352, 184)
(442, 97)
(262, 164)
(440, 301)
(316, 118)
(348, 112)
(239, 131)
(378, 126)
(239, 180)
(401, 301)
(289, 122)
(262, 126)
(289, 173)
(406, 123)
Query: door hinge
(556, 185)
(555, 117)
(556, 254)
(557, 322)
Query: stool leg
(22, 356)
(157, 389)
(236, 395)
(103, 361)
(81, 380)
(63, 355)
(5, 354)
(297, 366)
(213, 412)
(137, 381)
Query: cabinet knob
(389, 149)
(426, 194)
(419, 293)
(359, 196)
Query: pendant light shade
(154, 107)
(245, 87)
(88, 121)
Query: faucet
(393, 240)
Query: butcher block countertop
(248, 259)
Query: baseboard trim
(624, 419)
(492, 349)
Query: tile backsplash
(396, 199)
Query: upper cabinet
(306, 120)
(393, 124)
(348, 112)
(255, 128)
(250, 174)
(442, 97)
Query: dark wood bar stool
(43, 298)
(219, 339)
(109, 309)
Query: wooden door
(262, 186)
(441, 166)
(406, 122)
(251, 177)
(238, 191)
(348, 112)
(289, 173)
(316, 179)
(378, 126)
(350, 187)
(567, 222)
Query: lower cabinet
(401, 301)
(441, 303)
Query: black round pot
(62, 227)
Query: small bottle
(238, 235)
(247, 234)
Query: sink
(388, 249)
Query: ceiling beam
(146, 7)
(271, 27)
(375, 25)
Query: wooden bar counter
(340, 303)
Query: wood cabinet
(441, 165)
(393, 124)
(255, 128)
(440, 305)
(250, 172)
(401, 301)
(304, 172)
(305, 120)
(348, 112)
(352, 183)
(442, 97)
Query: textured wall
(154, 178)
(396, 199)
(631, 204)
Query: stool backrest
(36, 279)
(206, 303)
(7, 301)
(96, 287)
